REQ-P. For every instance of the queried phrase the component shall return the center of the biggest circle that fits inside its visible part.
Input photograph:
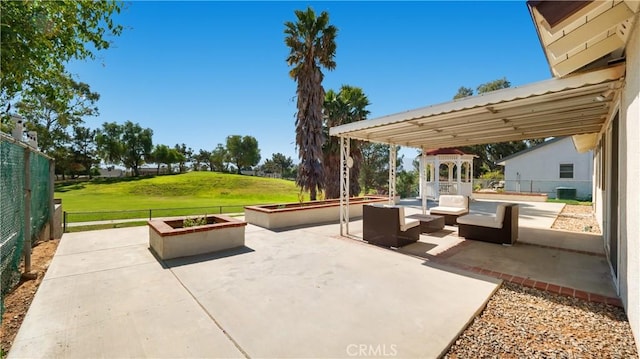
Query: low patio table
(429, 223)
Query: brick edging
(548, 287)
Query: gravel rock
(577, 218)
(522, 322)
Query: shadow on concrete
(177, 262)
(310, 225)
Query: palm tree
(349, 105)
(312, 44)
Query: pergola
(576, 105)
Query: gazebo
(454, 165)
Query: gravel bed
(577, 218)
(522, 322)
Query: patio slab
(299, 293)
(114, 300)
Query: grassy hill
(208, 190)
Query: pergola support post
(436, 181)
(392, 173)
(458, 175)
(344, 185)
(423, 181)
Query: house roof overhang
(574, 105)
(578, 35)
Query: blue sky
(196, 72)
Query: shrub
(194, 221)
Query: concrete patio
(305, 292)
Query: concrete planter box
(278, 216)
(169, 240)
(511, 196)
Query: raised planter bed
(168, 239)
(285, 215)
(511, 196)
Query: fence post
(150, 213)
(220, 212)
(52, 206)
(64, 222)
(26, 248)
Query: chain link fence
(97, 218)
(583, 188)
(19, 164)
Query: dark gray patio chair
(386, 226)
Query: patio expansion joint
(226, 334)
(96, 271)
(97, 250)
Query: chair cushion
(409, 225)
(480, 220)
(448, 210)
(500, 212)
(401, 214)
(453, 201)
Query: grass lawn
(171, 195)
(570, 201)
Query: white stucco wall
(539, 169)
(629, 271)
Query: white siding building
(547, 166)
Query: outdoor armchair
(386, 226)
(501, 228)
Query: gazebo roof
(445, 151)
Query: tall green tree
(270, 167)
(407, 183)
(219, 159)
(108, 140)
(164, 155)
(83, 146)
(494, 85)
(374, 173)
(348, 105)
(463, 92)
(201, 159)
(158, 155)
(127, 144)
(64, 160)
(186, 155)
(243, 152)
(39, 38)
(52, 106)
(138, 144)
(284, 163)
(311, 42)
